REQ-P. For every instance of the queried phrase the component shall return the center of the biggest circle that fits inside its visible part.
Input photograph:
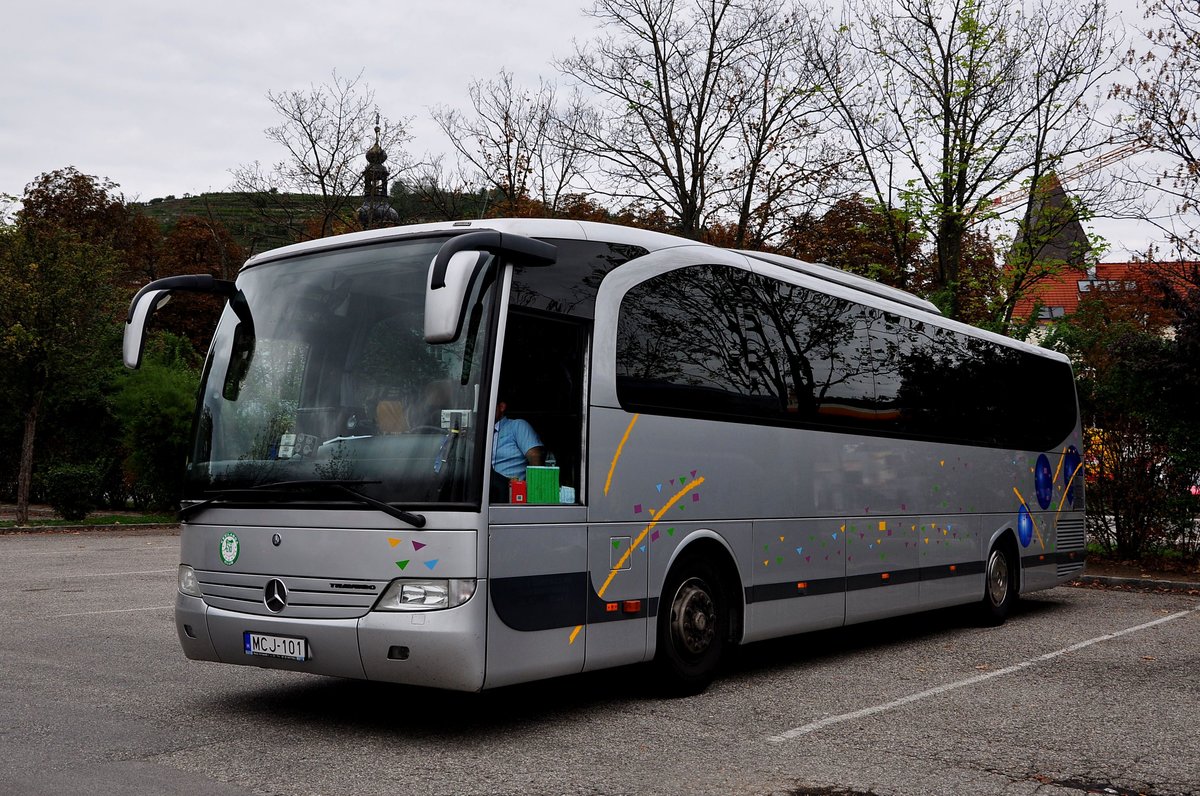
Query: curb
(48, 529)
(1136, 583)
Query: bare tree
(947, 102)
(518, 141)
(667, 74)
(325, 132)
(711, 111)
(783, 163)
(1163, 95)
(429, 191)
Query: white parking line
(807, 729)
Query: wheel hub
(693, 617)
(997, 575)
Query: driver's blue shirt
(514, 438)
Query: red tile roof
(1061, 293)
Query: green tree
(155, 405)
(1137, 390)
(948, 102)
(57, 300)
(94, 210)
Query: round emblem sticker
(230, 548)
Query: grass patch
(98, 519)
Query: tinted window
(719, 341)
(941, 384)
(569, 286)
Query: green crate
(543, 484)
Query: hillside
(256, 222)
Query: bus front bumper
(439, 649)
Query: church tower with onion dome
(376, 210)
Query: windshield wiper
(343, 487)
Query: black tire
(1000, 585)
(693, 627)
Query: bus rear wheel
(1000, 585)
(693, 628)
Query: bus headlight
(187, 581)
(411, 594)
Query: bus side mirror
(143, 306)
(446, 306)
(152, 297)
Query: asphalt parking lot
(1083, 690)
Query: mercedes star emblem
(275, 595)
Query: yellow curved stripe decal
(617, 456)
(1066, 489)
(658, 515)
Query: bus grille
(1070, 534)
(1071, 539)
(307, 598)
(1070, 570)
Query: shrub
(154, 406)
(72, 490)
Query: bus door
(538, 538)
(537, 591)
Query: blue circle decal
(1024, 526)
(1043, 481)
(1072, 472)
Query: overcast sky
(165, 98)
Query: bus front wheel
(1000, 585)
(693, 628)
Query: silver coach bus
(747, 446)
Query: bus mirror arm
(461, 266)
(156, 294)
(519, 249)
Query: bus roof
(531, 227)
(591, 230)
(646, 239)
(836, 275)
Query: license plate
(288, 647)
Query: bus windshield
(319, 371)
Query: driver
(516, 447)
